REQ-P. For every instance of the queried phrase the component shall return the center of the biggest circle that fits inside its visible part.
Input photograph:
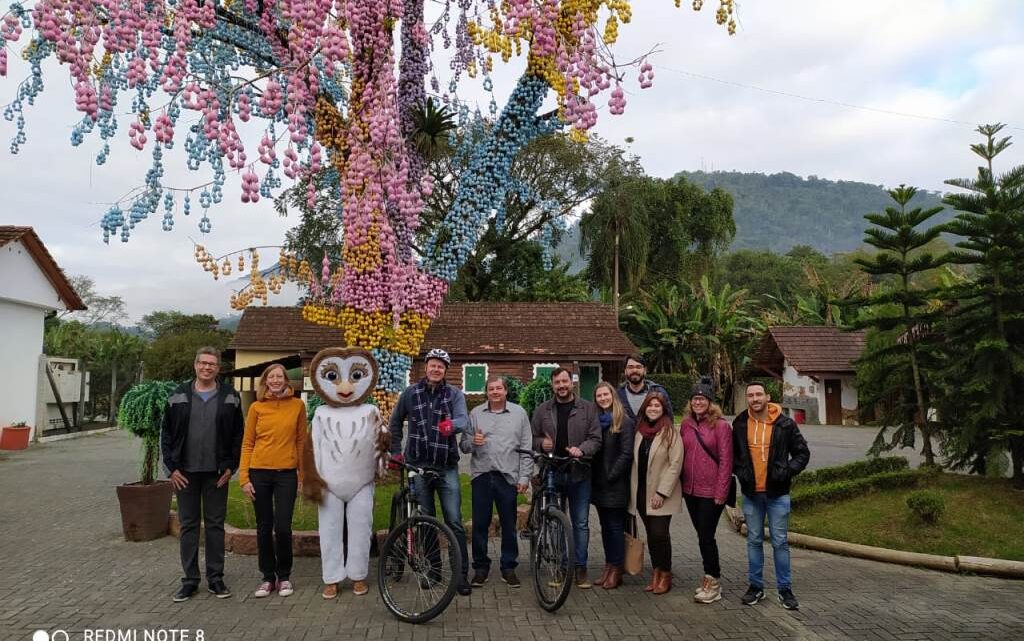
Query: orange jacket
(275, 433)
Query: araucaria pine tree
(983, 379)
(899, 312)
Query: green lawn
(983, 518)
(242, 515)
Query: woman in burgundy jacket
(707, 475)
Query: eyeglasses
(207, 364)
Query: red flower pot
(14, 437)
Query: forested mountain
(779, 211)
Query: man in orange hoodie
(768, 451)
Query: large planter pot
(14, 437)
(144, 509)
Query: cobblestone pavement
(64, 564)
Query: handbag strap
(704, 445)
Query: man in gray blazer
(568, 426)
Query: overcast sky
(718, 102)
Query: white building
(31, 286)
(815, 367)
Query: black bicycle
(420, 561)
(552, 552)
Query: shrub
(852, 471)
(536, 392)
(141, 413)
(515, 388)
(927, 505)
(806, 495)
(678, 387)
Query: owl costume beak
(345, 389)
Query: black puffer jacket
(787, 455)
(611, 466)
(230, 426)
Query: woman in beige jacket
(656, 492)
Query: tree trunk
(615, 281)
(112, 418)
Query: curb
(307, 542)
(73, 435)
(959, 564)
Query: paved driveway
(63, 564)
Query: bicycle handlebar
(412, 468)
(553, 458)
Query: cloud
(953, 59)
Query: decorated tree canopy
(322, 83)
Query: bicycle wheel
(419, 566)
(552, 559)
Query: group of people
(642, 465)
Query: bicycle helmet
(440, 355)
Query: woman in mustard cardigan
(275, 432)
(656, 491)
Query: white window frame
(486, 374)
(538, 365)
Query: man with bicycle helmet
(436, 414)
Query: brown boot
(614, 579)
(604, 576)
(665, 582)
(655, 575)
(330, 591)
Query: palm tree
(614, 235)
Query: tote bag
(634, 548)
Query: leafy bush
(804, 495)
(515, 388)
(678, 387)
(141, 413)
(852, 471)
(536, 392)
(927, 505)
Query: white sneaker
(703, 585)
(712, 593)
(264, 590)
(285, 588)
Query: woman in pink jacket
(706, 476)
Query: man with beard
(569, 425)
(637, 386)
(768, 451)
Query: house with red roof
(815, 366)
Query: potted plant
(146, 504)
(15, 436)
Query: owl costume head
(344, 376)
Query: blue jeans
(578, 493)
(489, 490)
(446, 487)
(613, 532)
(755, 508)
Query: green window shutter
(474, 379)
(543, 370)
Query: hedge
(678, 387)
(852, 471)
(806, 495)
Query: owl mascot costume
(342, 457)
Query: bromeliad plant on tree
(141, 412)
